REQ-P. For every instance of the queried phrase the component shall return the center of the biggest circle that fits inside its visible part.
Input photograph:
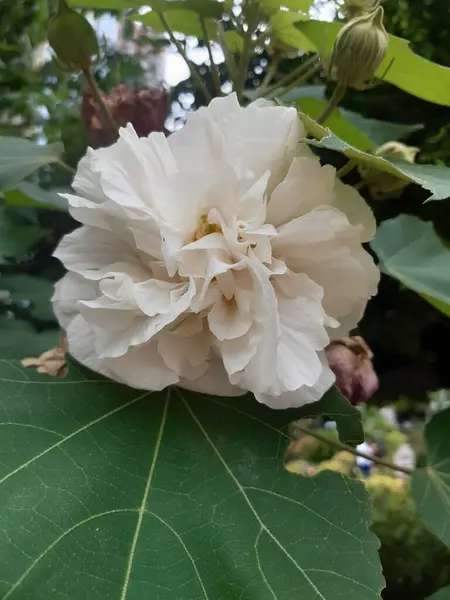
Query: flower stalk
(106, 114)
(336, 97)
(214, 68)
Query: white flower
(222, 259)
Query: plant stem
(301, 79)
(193, 69)
(214, 68)
(341, 446)
(358, 186)
(229, 58)
(242, 73)
(108, 119)
(345, 170)
(333, 102)
(302, 71)
(270, 73)
(62, 165)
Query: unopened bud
(72, 38)
(384, 185)
(359, 50)
(358, 8)
(350, 359)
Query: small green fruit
(72, 38)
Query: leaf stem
(345, 170)
(302, 71)
(108, 119)
(242, 73)
(62, 165)
(193, 69)
(341, 446)
(229, 58)
(214, 68)
(270, 74)
(333, 102)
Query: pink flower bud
(350, 359)
(144, 108)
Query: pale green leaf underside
(30, 194)
(409, 250)
(109, 492)
(410, 72)
(431, 484)
(20, 157)
(433, 178)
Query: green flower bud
(359, 50)
(72, 38)
(384, 185)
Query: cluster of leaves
(128, 494)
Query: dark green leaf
(109, 492)
(334, 406)
(431, 484)
(35, 290)
(19, 339)
(409, 250)
(30, 194)
(410, 72)
(20, 157)
(16, 238)
(436, 179)
(442, 594)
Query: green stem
(241, 75)
(214, 68)
(300, 71)
(62, 165)
(333, 102)
(270, 74)
(301, 79)
(345, 170)
(341, 446)
(193, 69)
(108, 119)
(229, 58)
(358, 186)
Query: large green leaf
(35, 291)
(442, 594)
(347, 418)
(30, 194)
(363, 133)
(409, 250)
(431, 484)
(434, 178)
(282, 27)
(109, 492)
(299, 5)
(410, 72)
(20, 157)
(19, 339)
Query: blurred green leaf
(181, 21)
(15, 237)
(30, 194)
(431, 484)
(110, 492)
(442, 594)
(234, 41)
(19, 339)
(410, 72)
(20, 157)
(35, 290)
(282, 27)
(206, 8)
(410, 251)
(334, 406)
(300, 5)
(434, 178)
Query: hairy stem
(341, 446)
(214, 68)
(229, 58)
(193, 69)
(333, 102)
(270, 74)
(345, 170)
(300, 73)
(62, 165)
(108, 119)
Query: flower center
(205, 228)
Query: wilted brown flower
(350, 359)
(52, 362)
(144, 108)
